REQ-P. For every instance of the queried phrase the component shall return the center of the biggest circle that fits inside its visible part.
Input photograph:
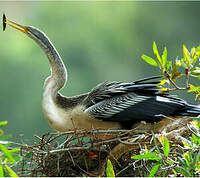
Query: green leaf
(1, 132)
(7, 153)
(175, 173)
(194, 88)
(198, 49)
(185, 52)
(197, 96)
(148, 156)
(149, 60)
(178, 63)
(186, 56)
(195, 160)
(196, 68)
(11, 172)
(175, 73)
(2, 123)
(154, 170)
(17, 157)
(195, 56)
(194, 139)
(192, 52)
(196, 72)
(1, 170)
(187, 158)
(187, 145)
(155, 50)
(183, 171)
(162, 82)
(181, 161)
(14, 150)
(166, 147)
(109, 170)
(184, 63)
(170, 161)
(168, 65)
(164, 57)
(163, 89)
(5, 137)
(196, 122)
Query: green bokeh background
(98, 41)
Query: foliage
(109, 170)
(165, 161)
(172, 70)
(8, 155)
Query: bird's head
(32, 32)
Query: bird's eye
(4, 22)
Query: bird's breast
(63, 119)
(58, 118)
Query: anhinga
(114, 105)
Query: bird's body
(113, 105)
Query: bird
(109, 105)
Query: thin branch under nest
(81, 152)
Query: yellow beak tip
(13, 24)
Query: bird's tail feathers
(147, 80)
(191, 110)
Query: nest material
(83, 153)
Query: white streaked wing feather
(107, 108)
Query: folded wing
(139, 100)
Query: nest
(85, 153)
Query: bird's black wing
(140, 100)
(108, 90)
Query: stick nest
(83, 153)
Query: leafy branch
(9, 156)
(187, 66)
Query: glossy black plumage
(130, 103)
(134, 102)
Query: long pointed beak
(15, 25)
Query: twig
(167, 75)
(43, 142)
(106, 141)
(66, 141)
(88, 173)
(68, 149)
(187, 71)
(197, 134)
(71, 158)
(123, 169)
(132, 140)
(31, 147)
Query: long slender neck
(58, 76)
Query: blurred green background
(98, 41)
